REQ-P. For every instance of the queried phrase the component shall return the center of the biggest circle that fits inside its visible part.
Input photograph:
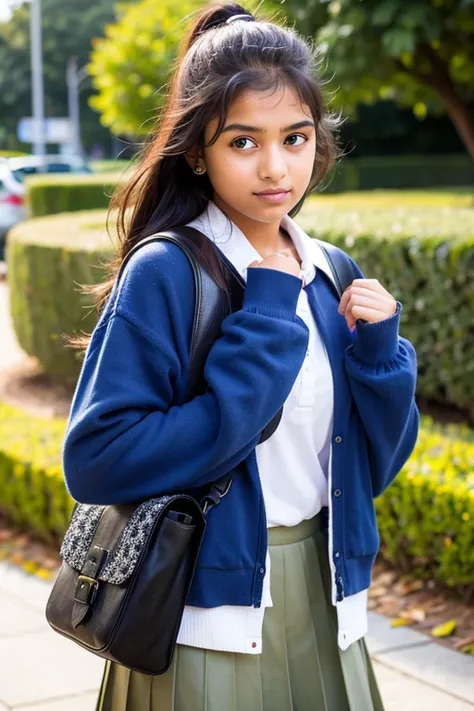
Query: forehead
(268, 106)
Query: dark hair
(216, 62)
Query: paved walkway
(42, 671)
(10, 351)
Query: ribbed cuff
(272, 293)
(378, 342)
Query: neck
(265, 237)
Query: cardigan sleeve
(126, 438)
(382, 370)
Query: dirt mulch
(24, 385)
(424, 606)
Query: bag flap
(124, 555)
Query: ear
(192, 156)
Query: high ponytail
(217, 60)
(211, 18)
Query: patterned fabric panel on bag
(124, 557)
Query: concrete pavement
(42, 671)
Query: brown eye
(234, 142)
(298, 135)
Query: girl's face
(267, 151)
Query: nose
(273, 164)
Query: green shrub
(11, 154)
(52, 194)
(48, 258)
(426, 516)
(32, 490)
(109, 165)
(423, 171)
(425, 258)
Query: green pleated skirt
(301, 667)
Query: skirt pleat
(301, 667)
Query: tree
(131, 65)
(419, 53)
(68, 28)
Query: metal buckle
(89, 587)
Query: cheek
(225, 169)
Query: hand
(279, 261)
(366, 299)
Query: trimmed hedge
(32, 491)
(425, 258)
(11, 154)
(48, 258)
(52, 194)
(423, 171)
(426, 516)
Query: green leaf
(385, 13)
(399, 40)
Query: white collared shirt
(294, 464)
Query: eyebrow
(256, 129)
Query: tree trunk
(439, 79)
(462, 118)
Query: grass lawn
(429, 197)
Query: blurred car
(13, 172)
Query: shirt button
(254, 644)
(337, 492)
(338, 439)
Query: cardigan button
(337, 492)
(262, 570)
(337, 554)
(338, 439)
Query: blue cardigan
(129, 435)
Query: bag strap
(212, 305)
(340, 265)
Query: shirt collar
(239, 251)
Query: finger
(369, 298)
(372, 284)
(356, 292)
(368, 314)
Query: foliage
(48, 258)
(68, 29)
(418, 53)
(32, 491)
(131, 65)
(393, 199)
(108, 166)
(425, 258)
(402, 171)
(426, 516)
(49, 195)
(11, 154)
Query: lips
(277, 191)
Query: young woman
(276, 616)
